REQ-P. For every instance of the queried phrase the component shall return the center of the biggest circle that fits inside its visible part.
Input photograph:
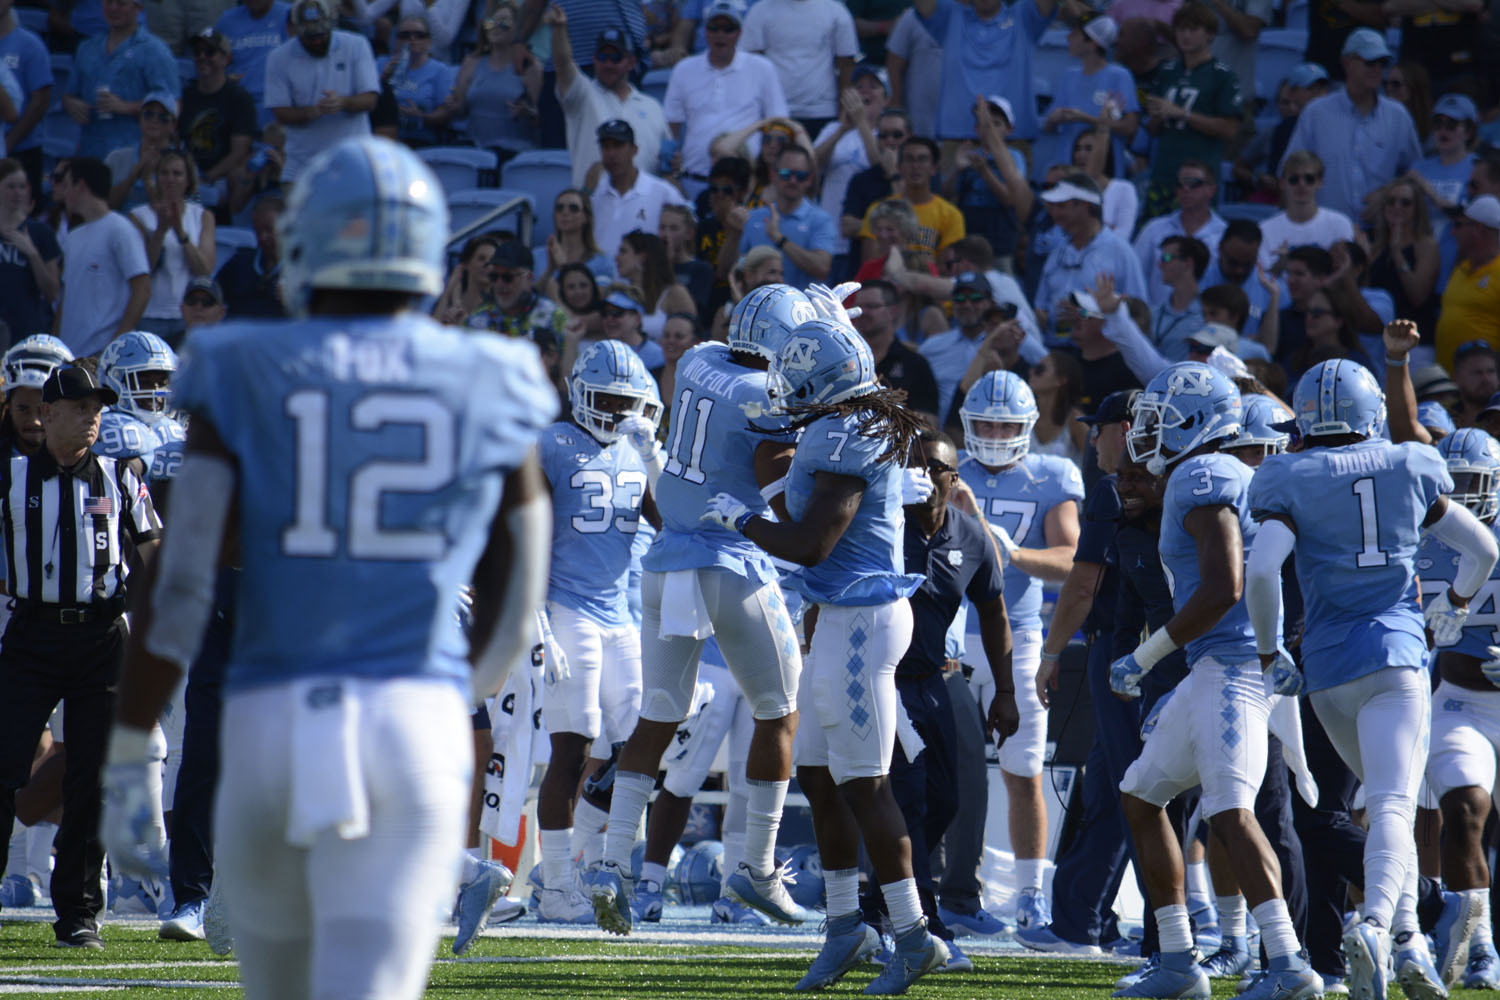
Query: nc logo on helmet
(803, 312)
(1191, 382)
(799, 354)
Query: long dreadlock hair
(886, 417)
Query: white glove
(916, 485)
(727, 512)
(1491, 666)
(828, 303)
(640, 432)
(1007, 545)
(127, 825)
(1444, 620)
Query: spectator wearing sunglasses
(790, 222)
(587, 101)
(1302, 222)
(620, 318)
(1197, 184)
(627, 198)
(1405, 259)
(1181, 266)
(131, 166)
(1455, 128)
(1363, 138)
(892, 128)
(513, 307)
(217, 118)
(949, 354)
(498, 86)
(421, 85)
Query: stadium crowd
(1033, 214)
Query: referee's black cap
(1114, 408)
(72, 382)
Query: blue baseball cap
(1368, 44)
(1456, 106)
(1306, 75)
(1431, 414)
(622, 301)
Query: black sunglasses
(970, 297)
(407, 36)
(786, 174)
(939, 468)
(727, 190)
(609, 56)
(1308, 179)
(1191, 183)
(200, 301)
(613, 312)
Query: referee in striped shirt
(73, 523)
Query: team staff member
(72, 523)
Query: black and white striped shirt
(68, 533)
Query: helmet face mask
(998, 401)
(1473, 459)
(1185, 407)
(138, 366)
(1257, 427)
(609, 383)
(31, 360)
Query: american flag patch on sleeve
(99, 505)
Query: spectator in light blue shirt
(1235, 265)
(803, 232)
(1363, 137)
(1090, 249)
(1095, 89)
(254, 28)
(987, 49)
(112, 72)
(422, 85)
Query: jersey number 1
(1369, 554)
(309, 534)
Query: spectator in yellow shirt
(939, 222)
(1471, 302)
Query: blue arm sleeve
(1140, 355)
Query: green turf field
(136, 965)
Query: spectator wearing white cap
(1095, 91)
(813, 46)
(1089, 248)
(112, 73)
(321, 85)
(1471, 301)
(587, 101)
(1455, 128)
(1363, 137)
(847, 147)
(130, 166)
(987, 48)
(719, 90)
(627, 198)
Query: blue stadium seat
(459, 168)
(1047, 150)
(466, 207)
(33, 19)
(228, 239)
(544, 173)
(1277, 53)
(1050, 57)
(1253, 210)
(654, 83)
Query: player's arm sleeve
(1273, 543)
(1475, 544)
(1141, 356)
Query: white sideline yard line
(37, 970)
(61, 984)
(746, 956)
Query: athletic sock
(588, 821)
(631, 793)
(471, 868)
(1276, 934)
(39, 838)
(734, 853)
(903, 904)
(653, 872)
(1029, 873)
(557, 857)
(15, 859)
(1197, 885)
(1483, 933)
(1173, 929)
(1231, 915)
(842, 887)
(765, 800)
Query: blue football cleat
(917, 953)
(565, 906)
(768, 894)
(1300, 983)
(732, 911)
(1046, 939)
(646, 902)
(605, 884)
(1175, 975)
(1032, 909)
(1419, 978)
(1484, 968)
(1231, 960)
(847, 941)
(1138, 973)
(1366, 949)
(1451, 934)
(957, 960)
(980, 923)
(185, 923)
(476, 898)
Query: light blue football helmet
(1338, 397)
(1004, 398)
(610, 368)
(1474, 463)
(1184, 407)
(1258, 419)
(699, 873)
(128, 358)
(820, 362)
(366, 215)
(760, 322)
(1432, 415)
(30, 361)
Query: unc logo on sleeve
(1190, 382)
(799, 354)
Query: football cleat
(476, 898)
(980, 923)
(847, 941)
(1450, 935)
(646, 901)
(917, 953)
(185, 923)
(1419, 978)
(1175, 975)
(732, 911)
(1032, 909)
(1367, 951)
(605, 883)
(767, 894)
(565, 906)
(1231, 960)
(1484, 968)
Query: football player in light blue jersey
(1466, 710)
(1214, 729)
(845, 529)
(378, 462)
(1030, 504)
(599, 498)
(701, 579)
(1353, 507)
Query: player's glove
(1491, 666)
(916, 485)
(640, 432)
(1286, 679)
(828, 303)
(727, 512)
(1007, 544)
(1444, 621)
(1125, 676)
(1154, 716)
(126, 826)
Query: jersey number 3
(309, 534)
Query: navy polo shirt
(1096, 538)
(958, 562)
